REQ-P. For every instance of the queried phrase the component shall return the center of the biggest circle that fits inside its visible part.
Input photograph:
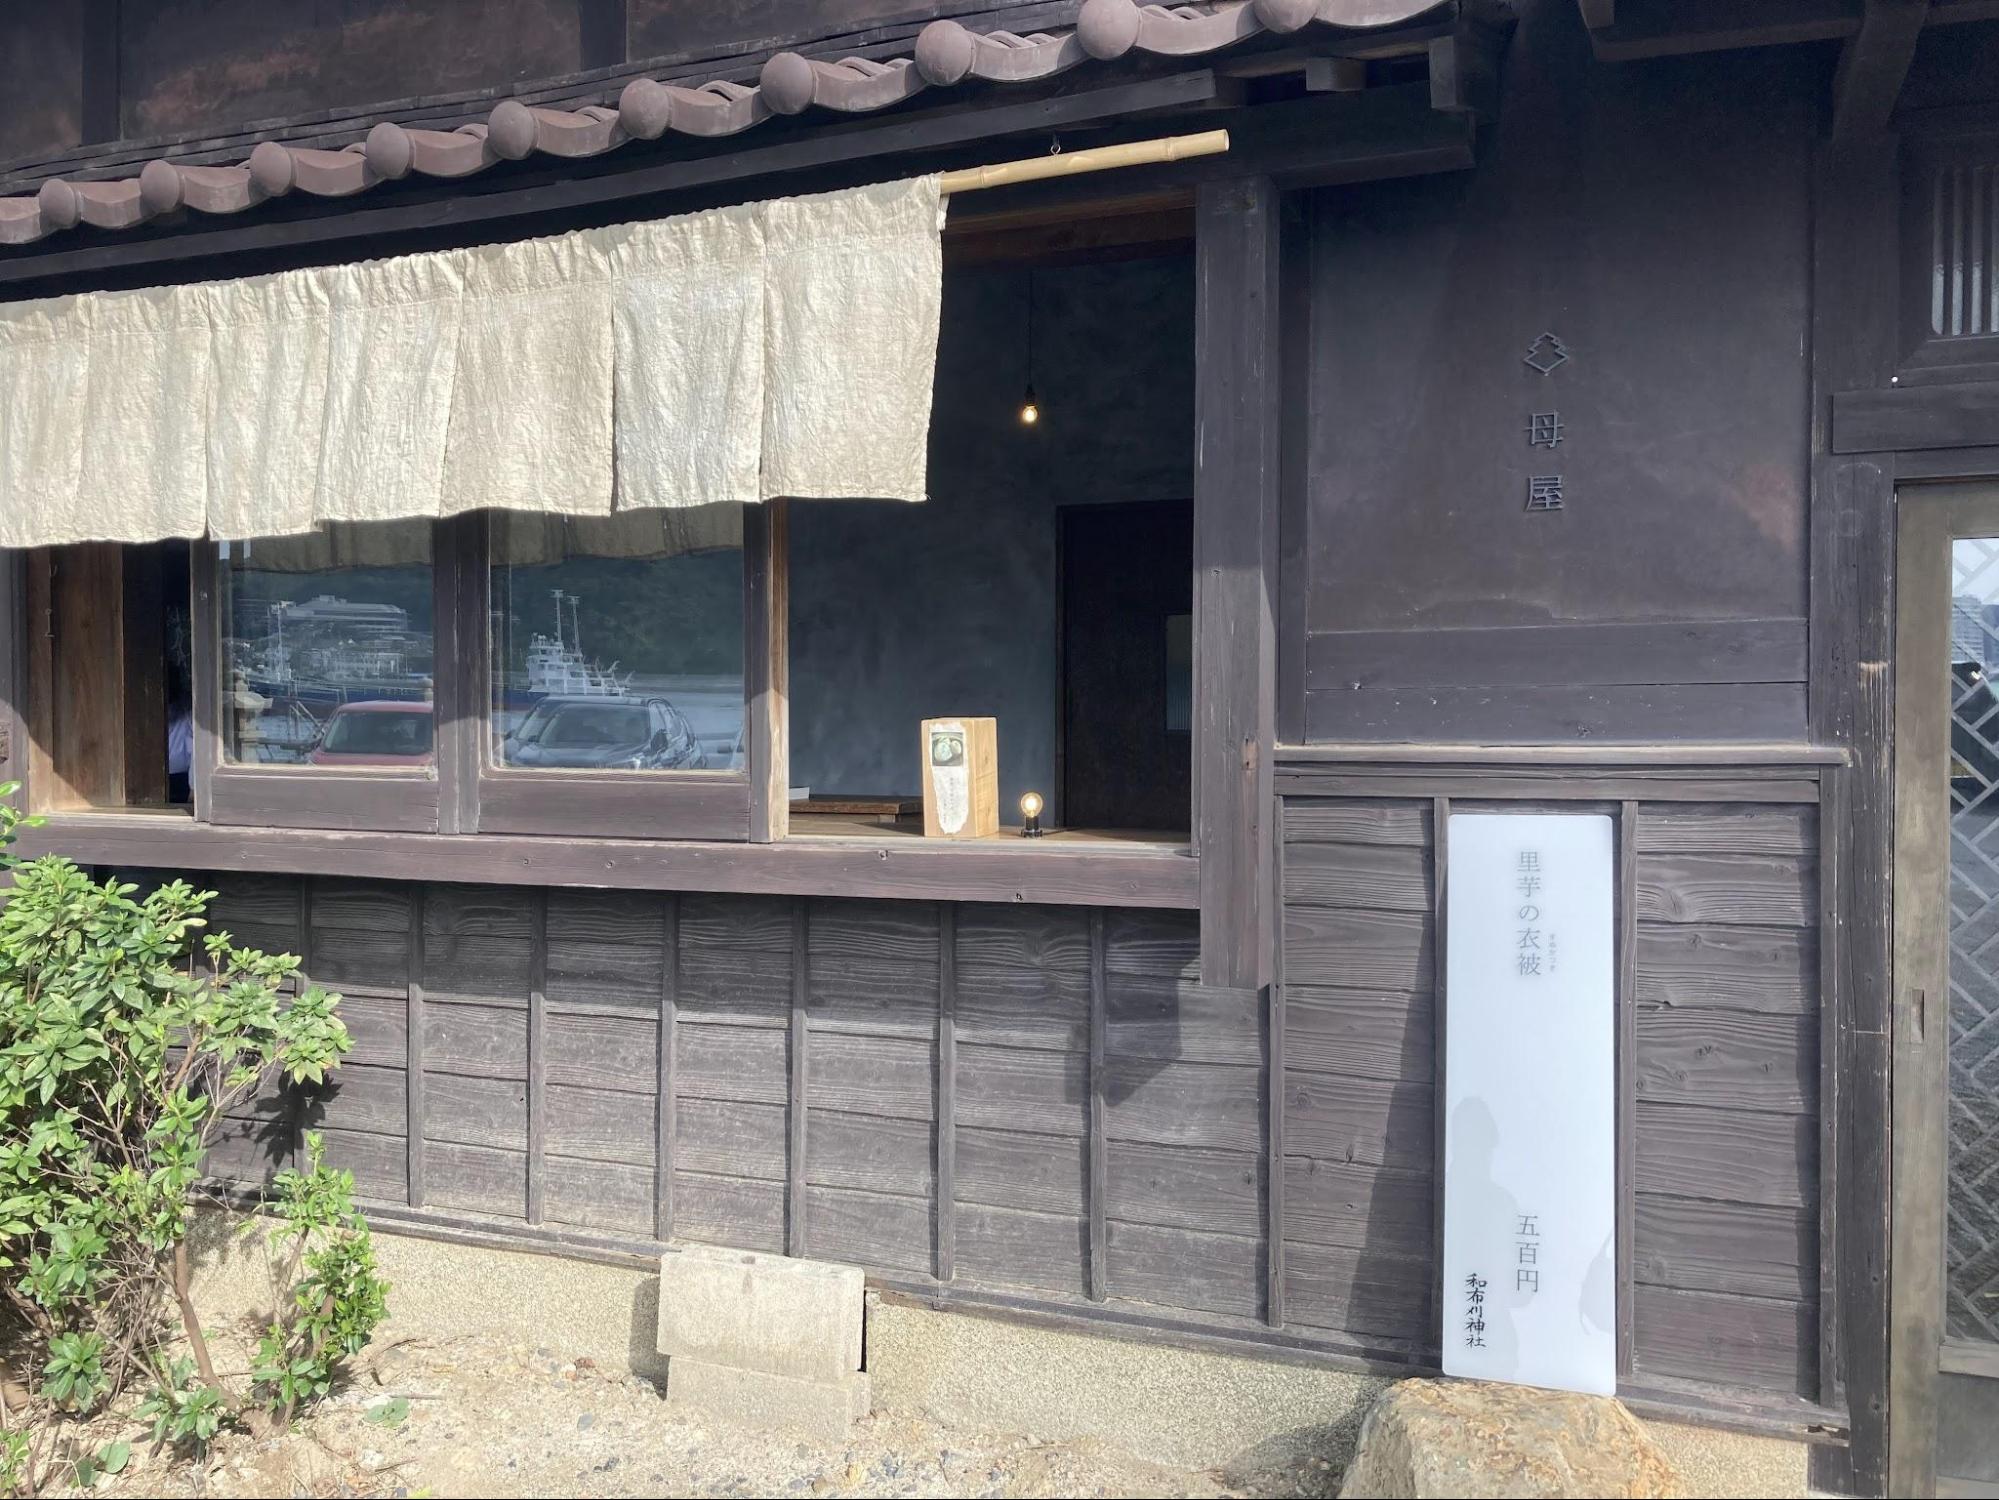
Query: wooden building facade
(1552, 392)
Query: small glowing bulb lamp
(1030, 815)
(1030, 409)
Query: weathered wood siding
(1043, 1102)
(200, 65)
(1722, 1080)
(1099, 1115)
(1359, 987)
(1726, 1266)
(1667, 599)
(41, 77)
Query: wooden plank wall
(1723, 1201)
(800, 1075)
(1359, 1040)
(1727, 1079)
(1102, 1113)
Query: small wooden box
(960, 778)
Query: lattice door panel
(1971, 1252)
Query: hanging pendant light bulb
(1030, 408)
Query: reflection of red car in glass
(387, 733)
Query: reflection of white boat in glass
(557, 668)
(329, 651)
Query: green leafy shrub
(126, 1035)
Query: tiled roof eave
(946, 54)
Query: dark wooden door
(1127, 580)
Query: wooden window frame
(233, 794)
(490, 798)
(465, 791)
(1926, 356)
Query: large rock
(1447, 1438)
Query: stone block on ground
(1449, 1438)
(752, 1398)
(797, 1318)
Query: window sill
(1051, 871)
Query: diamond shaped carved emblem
(1546, 354)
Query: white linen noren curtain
(778, 349)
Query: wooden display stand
(960, 778)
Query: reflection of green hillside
(650, 615)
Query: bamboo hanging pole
(1097, 159)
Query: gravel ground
(479, 1417)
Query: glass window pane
(328, 647)
(618, 642)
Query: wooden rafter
(1873, 64)
(1465, 65)
(1662, 28)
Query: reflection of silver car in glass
(632, 734)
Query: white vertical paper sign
(1530, 1167)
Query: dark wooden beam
(1667, 28)
(1236, 481)
(1873, 64)
(1068, 240)
(1464, 69)
(896, 867)
(1891, 419)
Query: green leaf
(390, 1413)
(113, 1457)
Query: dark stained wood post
(14, 627)
(766, 624)
(1851, 703)
(1097, 1148)
(1626, 1002)
(1237, 374)
(413, 1059)
(799, 1061)
(946, 1224)
(1274, 1027)
(1440, 953)
(667, 1120)
(461, 611)
(537, 1054)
